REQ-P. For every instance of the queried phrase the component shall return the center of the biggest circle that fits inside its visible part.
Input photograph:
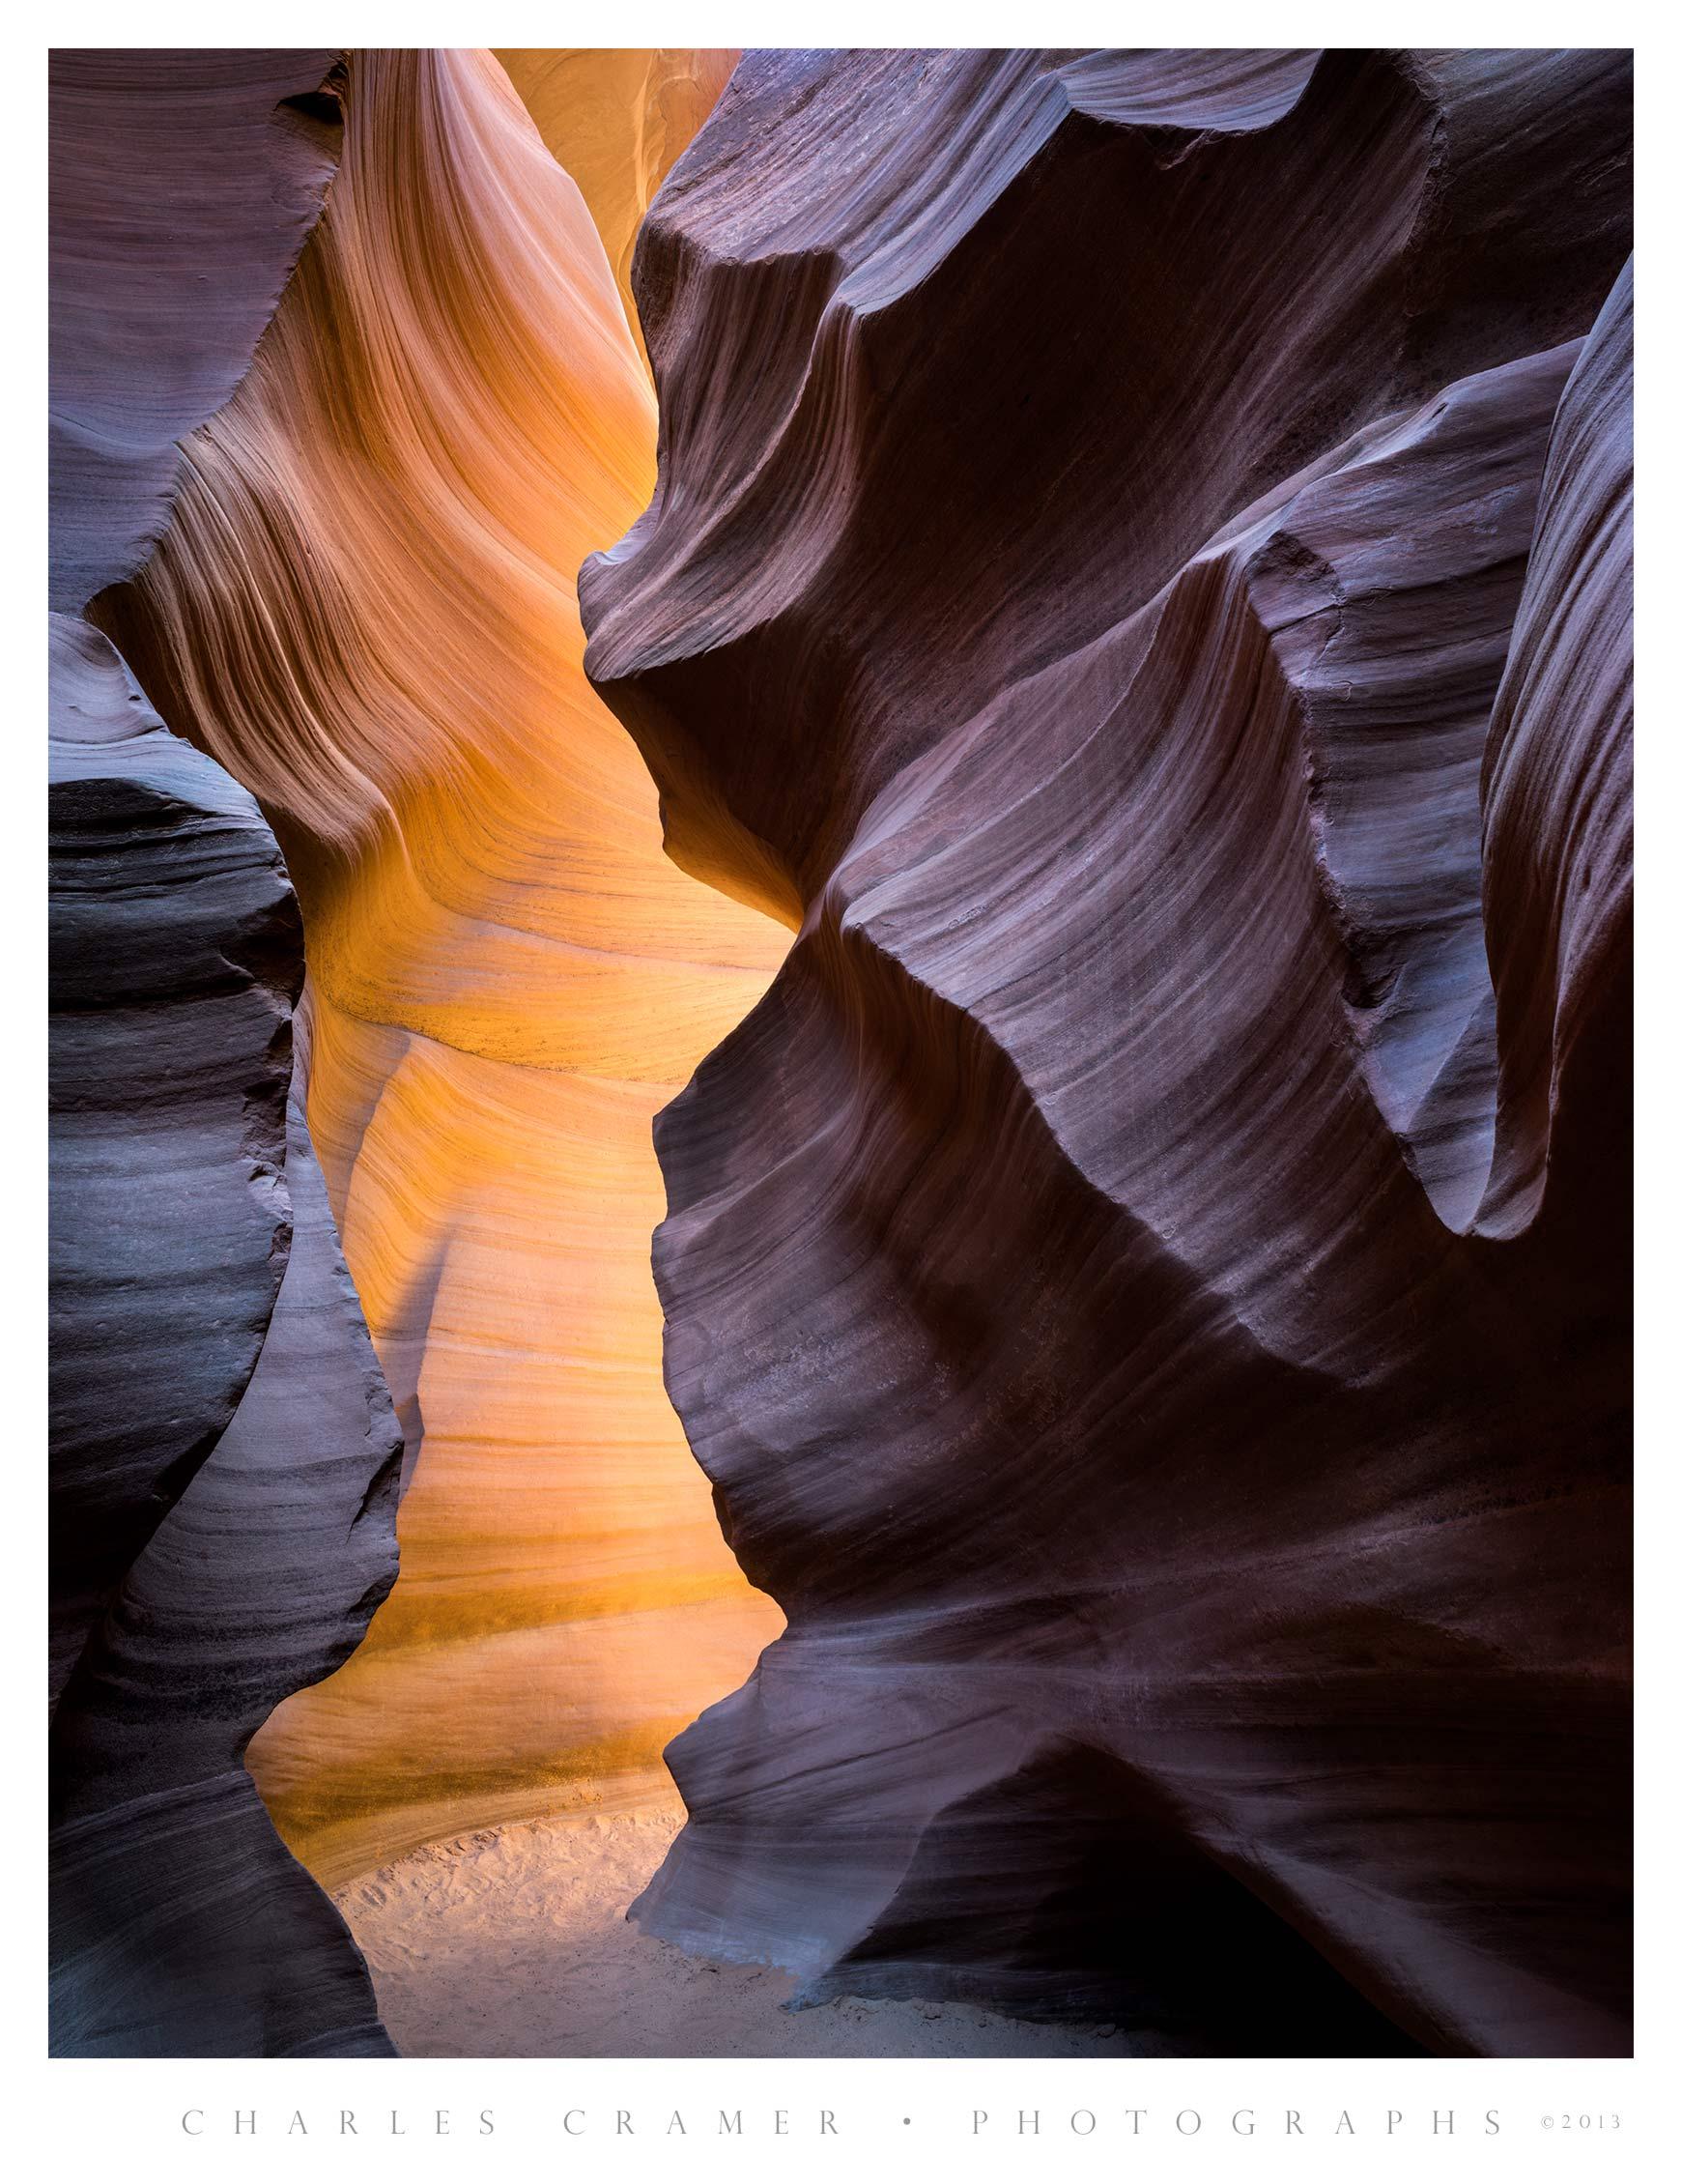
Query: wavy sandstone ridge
(364, 607)
(224, 1457)
(1139, 573)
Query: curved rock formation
(223, 1452)
(618, 120)
(1558, 820)
(1109, 1279)
(364, 606)
(181, 1923)
(224, 1458)
(176, 958)
(182, 183)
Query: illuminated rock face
(1139, 573)
(364, 607)
(618, 120)
(224, 1457)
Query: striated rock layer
(225, 1458)
(181, 1921)
(1139, 573)
(176, 956)
(223, 1454)
(364, 606)
(182, 183)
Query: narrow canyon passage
(985, 1147)
(365, 608)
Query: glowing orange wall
(365, 607)
(618, 120)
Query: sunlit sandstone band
(364, 606)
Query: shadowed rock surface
(1558, 803)
(220, 1534)
(175, 956)
(182, 183)
(182, 1924)
(223, 1458)
(1139, 575)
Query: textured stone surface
(365, 607)
(182, 1924)
(183, 184)
(1558, 797)
(176, 954)
(1094, 504)
(223, 1454)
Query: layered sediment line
(1138, 574)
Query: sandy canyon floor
(513, 1941)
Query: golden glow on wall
(618, 120)
(365, 607)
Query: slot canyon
(842, 978)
